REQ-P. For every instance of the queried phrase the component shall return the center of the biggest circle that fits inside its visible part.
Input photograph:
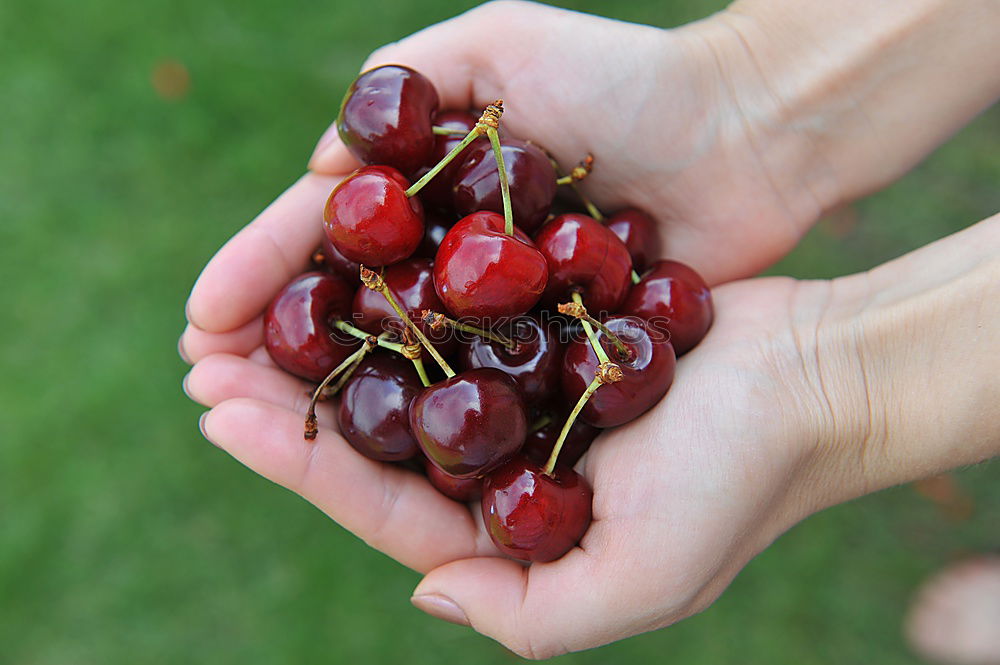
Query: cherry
(437, 193)
(533, 516)
(435, 229)
(459, 489)
(638, 231)
(387, 117)
(534, 362)
(412, 285)
(470, 423)
(371, 220)
(673, 298)
(585, 256)
(482, 273)
(530, 173)
(647, 372)
(374, 408)
(538, 445)
(296, 332)
(338, 264)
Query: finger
(223, 376)
(196, 344)
(240, 280)
(393, 510)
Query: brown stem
(578, 311)
(311, 427)
(437, 321)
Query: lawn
(125, 537)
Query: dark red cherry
(471, 423)
(369, 218)
(459, 489)
(375, 408)
(532, 516)
(411, 283)
(647, 372)
(387, 117)
(435, 228)
(531, 176)
(296, 329)
(437, 193)
(538, 445)
(638, 231)
(535, 361)
(674, 298)
(482, 273)
(585, 256)
(339, 265)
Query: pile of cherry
(554, 332)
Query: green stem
(635, 277)
(591, 208)
(418, 364)
(311, 428)
(540, 423)
(475, 133)
(570, 419)
(346, 327)
(431, 318)
(508, 214)
(598, 349)
(446, 131)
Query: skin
(806, 394)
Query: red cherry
(532, 516)
(638, 231)
(531, 176)
(435, 229)
(471, 423)
(437, 193)
(482, 273)
(411, 283)
(647, 373)
(369, 218)
(673, 298)
(584, 256)
(535, 361)
(375, 407)
(538, 445)
(296, 330)
(459, 489)
(339, 265)
(386, 117)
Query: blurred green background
(135, 138)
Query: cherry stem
(635, 277)
(446, 131)
(346, 327)
(418, 364)
(311, 428)
(550, 465)
(508, 213)
(375, 282)
(436, 321)
(598, 349)
(579, 172)
(540, 423)
(578, 311)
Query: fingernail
(201, 426)
(441, 607)
(330, 136)
(182, 353)
(184, 386)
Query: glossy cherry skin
(484, 274)
(530, 174)
(296, 328)
(585, 256)
(532, 516)
(369, 218)
(538, 445)
(375, 408)
(435, 229)
(387, 117)
(638, 231)
(340, 265)
(471, 423)
(411, 283)
(674, 298)
(459, 489)
(535, 362)
(437, 193)
(647, 373)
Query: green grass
(125, 537)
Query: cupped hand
(684, 496)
